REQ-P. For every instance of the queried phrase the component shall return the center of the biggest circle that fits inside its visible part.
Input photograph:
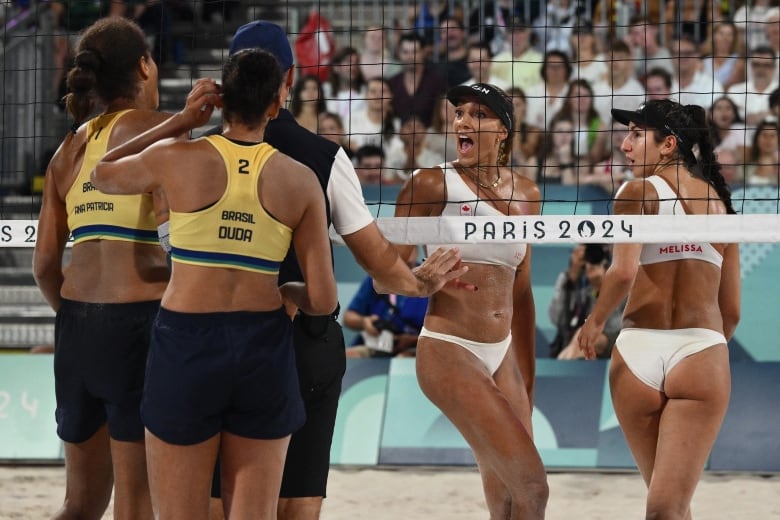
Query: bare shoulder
(425, 184)
(135, 123)
(636, 197)
(285, 171)
(528, 188)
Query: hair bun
(89, 60)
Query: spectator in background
(692, 87)
(576, 301)
(332, 129)
(752, 97)
(731, 167)
(726, 127)
(690, 18)
(554, 26)
(749, 19)
(546, 99)
(372, 123)
(587, 62)
(762, 166)
(558, 163)
(479, 63)
(369, 163)
(658, 84)
(345, 89)
(307, 102)
(724, 61)
(646, 49)
(590, 131)
(526, 139)
(566, 310)
(454, 51)
(376, 60)
(389, 324)
(521, 64)
(407, 152)
(417, 87)
(610, 173)
(622, 89)
(441, 140)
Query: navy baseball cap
(267, 36)
(487, 94)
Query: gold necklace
(475, 178)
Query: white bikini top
(669, 204)
(461, 201)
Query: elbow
(324, 303)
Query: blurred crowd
(385, 103)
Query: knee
(532, 498)
(667, 512)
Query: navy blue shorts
(321, 360)
(99, 360)
(223, 371)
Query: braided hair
(105, 66)
(688, 124)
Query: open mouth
(465, 144)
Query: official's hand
(442, 267)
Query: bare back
(195, 178)
(681, 293)
(99, 271)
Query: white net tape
(544, 229)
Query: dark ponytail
(688, 124)
(708, 166)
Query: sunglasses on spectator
(762, 65)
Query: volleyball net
(347, 46)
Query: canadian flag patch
(465, 209)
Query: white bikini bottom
(491, 354)
(651, 354)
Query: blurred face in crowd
(369, 169)
(310, 90)
(622, 65)
(374, 39)
(767, 140)
(330, 128)
(453, 36)
(728, 164)
(378, 96)
(643, 35)
(478, 62)
(563, 134)
(409, 54)
(349, 67)
(595, 273)
(581, 99)
(685, 57)
(763, 68)
(555, 70)
(723, 114)
(724, 39)
(412, 134)
(656, 87)
(519, 39)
